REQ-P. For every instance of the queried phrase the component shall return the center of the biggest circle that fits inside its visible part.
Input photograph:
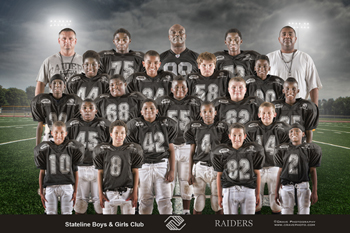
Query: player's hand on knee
(220, 201)
(103, 198)
(191, 179)
(74, 197)
(43, 200)
(313, 198)
(133, 198)
(277, 199)
(169, 176)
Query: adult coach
(66, 62)
(290, 62)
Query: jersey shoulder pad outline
(196, 125)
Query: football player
(118, 175)
(203, 135)
(88, 85)
(266, 87)
(156, 135)
(48, 108)
(121, 60)
(238, 174)
(57, 161)
(178, 59)
(235, 60)
(268, 133)
(208, 84)
(152, 83)
(296, 160)
(297, 110)
(182, 108)
(119, 105)
(90, 131)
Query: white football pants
(115, 200)
(287, 198)
(237, 197)
(65, 192)
(269, 177)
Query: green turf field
(19, 176)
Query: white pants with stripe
(65, 192)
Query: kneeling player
(238, 175)
(57, 161)
(295, 161)
(118, 174)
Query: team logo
(132, 147)
(164, 122)
(43, 147)
(165, 101)
(101, 124)
(220, 57)
(108, 53)
(139, 124)
(223, 101)
(304, 106)
(221, 74)
(251, 148)
(284, 146)
(104, 96)
(307, 146)
(196, 125)
(250, 80)
(278, 105)
(76, 78)
(193, 77)
(46, 101)
(141, 78)
(105, 147)
(177, 55)
(253, 125)
(193, 102)
(166, 78)
(221, 125)
(138, 54)
(225, 150)
(175, 223)
(71, 102)
(247, 57)
(75, 122)
(71, 145)
(104, 79)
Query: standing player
(121, 60)
(235, 60)
(266, 87)
(88, 85)
(57, 162)
(178, 59)
(183, 108)
(238, 175)
(156, 135)
(296, 160)
(268, 134)
(297, 110)
(153, 83)
(204, 135)
(90, 131)
(118, 175)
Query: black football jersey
(302, 111)
(206, 137)
(89, 134)
(152, 88)
(113, 63)
(242, 111)
(268, 137)
(237, 166)
(59, 161)
(239, 65)
(179, 64)
(268, 90)
(124, 108)
(208, 88)
(296, 161)
(183, 111)
(117, 164)
(154, 137)
(88, 88)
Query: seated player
(203, 135)
(88, 85)
(121, 60)
(119, 105)
(237, 108)
(238, 62)
(208, 84)
(266, 87)
(57, 162)
(152, 83)
(48, 108)
(296, 160)
(183, 108)
(90, 131)
(268, 133)
(238, 174)
(118, 174)
(156, 135)
(297, 110)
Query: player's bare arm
(101, 195)
(278, 185)
(41, 188)
(219, 187)
(314, 96)
(39, 132)
(170, 174)
(133, 196)
(257, 189)
(191, 178)
(40, 88)
(309, 135)
(74, 196)
(314, 197)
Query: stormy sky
(27, 38)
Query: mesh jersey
(123, 107)
(296, 161)
(88, 88)
(183, 111)
(239, 65)
(302, 111)
(205, 137)
(179, 64)
(59, 161)
(154, 137)
(89, 134)
(268, 137)
(208, 88)
(268, 90)
(242, 111)
(126, 64)
(117, 164)
(237, 166)
(152, 88)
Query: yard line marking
(332, 145)
(15, 126)
(17, 141)
(332, 130)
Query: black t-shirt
(179, 64)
